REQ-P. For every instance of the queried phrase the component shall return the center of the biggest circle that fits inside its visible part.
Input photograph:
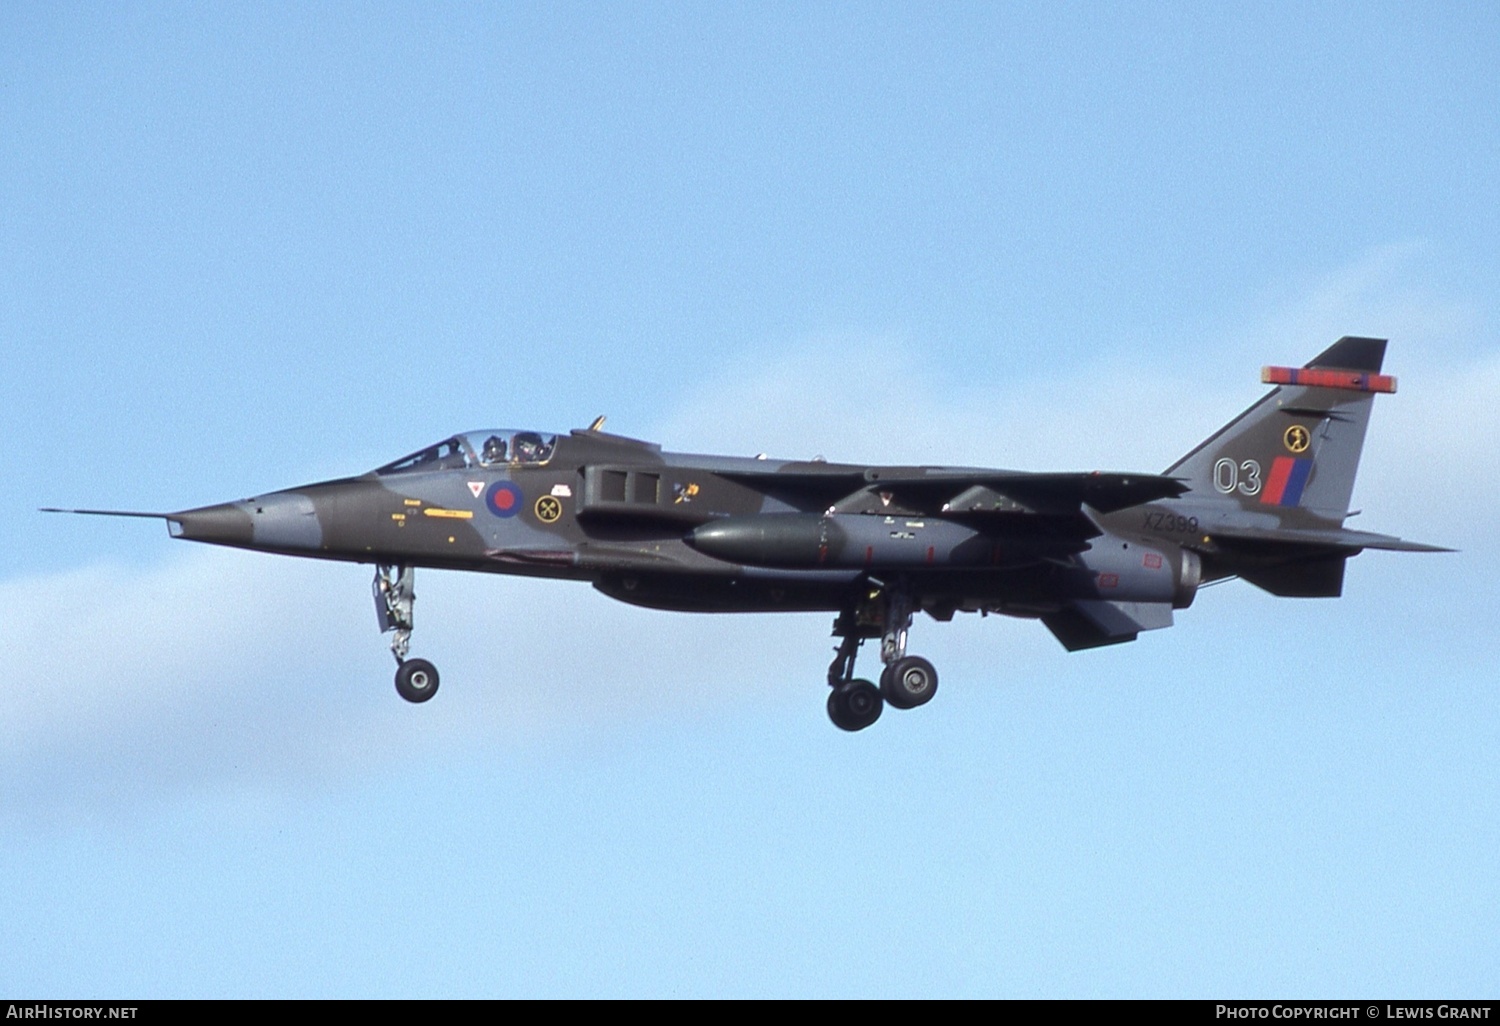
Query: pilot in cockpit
(529, 448)
(494, 449)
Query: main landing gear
(905, 683)
(416, 679)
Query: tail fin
(1295, 452)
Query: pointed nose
(275, 522)
(278, 522)
(228, 523)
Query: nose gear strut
(416, 679)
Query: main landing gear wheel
(416, 680)
(854, 705)
(882, 611)
(909, 682)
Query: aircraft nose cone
(225, 524)
(277, 522)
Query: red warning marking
(1109, 580)
(929, 553)
(1152, 561)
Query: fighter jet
(1096, 557)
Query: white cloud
(1388, 292)
(862, 399)
(881, 399)
(224, 665)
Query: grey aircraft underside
(1097, 557)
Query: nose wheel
(416, 679)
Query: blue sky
(247, 247)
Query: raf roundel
(503, 499)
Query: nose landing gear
(416, 679)
(905, 683)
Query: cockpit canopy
(498, 447)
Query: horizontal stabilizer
(1327, 538)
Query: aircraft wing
(1044, 494)
(962, 494)
(810, 489)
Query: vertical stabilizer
(1296, 451)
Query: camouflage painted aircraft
(1096, 557)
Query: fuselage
(692, 532)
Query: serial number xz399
(1169, 522)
